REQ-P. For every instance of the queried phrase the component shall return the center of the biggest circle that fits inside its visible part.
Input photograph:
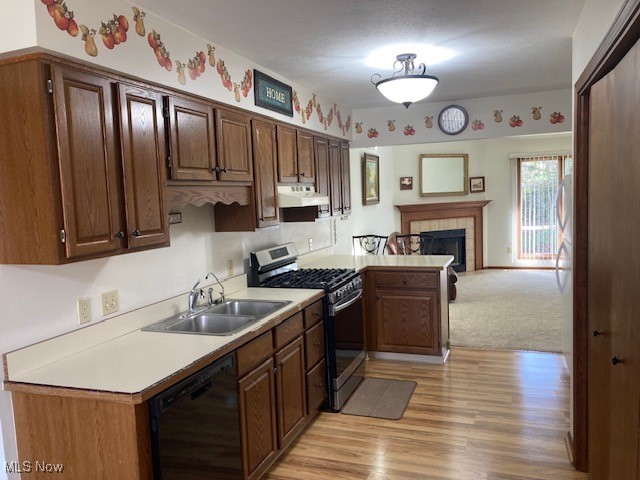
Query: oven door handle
(350, 300)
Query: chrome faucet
(193, 297)
(211, 300)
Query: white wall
(377, 219)
(594, 23)
(19, 31)
(487, 158)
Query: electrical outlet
(83, 307)
(509, 249)
(229, 267)
(110, 303)
(310, 244)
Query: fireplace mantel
(440, 211)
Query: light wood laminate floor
(486, 414)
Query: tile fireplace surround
(424, 217)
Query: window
(538, 181)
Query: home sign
(272, 94)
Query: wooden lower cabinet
(90, 438)
(276, 400)
(291, 391)
(405, 322)
(258, 430)
(405, 311)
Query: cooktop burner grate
(324, 278)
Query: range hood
(300, 196)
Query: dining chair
(409, 244)
(369, 244)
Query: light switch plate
(83, 308)
(110, 302)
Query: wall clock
(453, 119)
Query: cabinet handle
(316, 314)
(596, 333)
(319, 385)
(301, 174)
(120, 234)
(136, 233)
(377, 297)
(616, 360)
(261, 219)
(275, 370)
(217, 169)
(224, 170)
(317, 343)
(404, 280)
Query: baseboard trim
(411, 357)
(568, 442)
(519, 267)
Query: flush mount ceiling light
(407, 84)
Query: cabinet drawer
(254, 352)
(314, 345)
(288, 330)
(316, 387)
(414, 280)
(312, 314)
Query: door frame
(620, 38)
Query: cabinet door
(257, 397)
(234, 146)
(335, 178)
(143, 152)
(292, 396)
(316, 387)
(90, 173)
(306, 163)
(287, 155)
(346, 178)
(264, 151)
(322, 172)
(407, 322)
(191, 129)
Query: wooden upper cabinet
(287, 155)
(143, 148)
(335, 178)
(346, 178)
(264, 154)
(233, 131)
(191, 131)
(306, 164)
(321, 148)
(89, 165)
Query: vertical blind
(538, 181)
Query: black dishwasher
(195, 429)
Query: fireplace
(446, 242)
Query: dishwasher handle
(193, 386)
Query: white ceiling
(502, 46)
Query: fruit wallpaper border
(489, 117)
(113, 33)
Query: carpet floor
(507, 309)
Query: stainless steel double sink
(226, 318)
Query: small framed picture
(406, 183)
(370, 179)
(476, 184)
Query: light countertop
(135, 361)
(360, 262)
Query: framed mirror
(444, 174)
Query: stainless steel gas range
(343, 325)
